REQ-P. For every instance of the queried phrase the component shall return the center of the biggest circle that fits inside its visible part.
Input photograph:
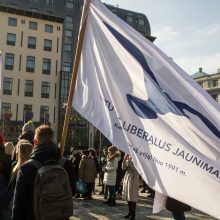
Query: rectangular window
(32, 42)
(129, 19)
(48, 28)
(7, 86)
(9, 61)
(29, 88)
(69, 19)
(12, 21)
(6, 110)
(50, 3)
(27, 114)
(68, 47)
(141, 22)
(66, 67)
(46, 66)
(47, 45)
(27, 108)
(45, 90)
(11, 39)
(69, 4)
(32, 25)
(30, 64)
(214, 83)
(44, 114)
(68, 33)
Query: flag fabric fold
(149, 107)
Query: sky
(186, 30)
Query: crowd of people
(37, 182)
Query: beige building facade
(211, 83)
(31, 54)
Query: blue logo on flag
(158, 101)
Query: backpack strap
(38, 165)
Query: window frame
(7, 63)
(11, 42)
(46, 63)
(12, 21)
(30, 60)
(29, 88)
(7, 82)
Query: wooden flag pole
(74, 73)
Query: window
(30, 64)
(48, 28)
(129, 19)
(12, 21)
(32, 42)
(7, 86)
(22, 21)
(45, 90)
(66, 67)
(141, 21)
(28, 114)
(68, 33)
(201, 84)
(9, 61)
(69, 19)
(68, 47)
(29, 88)
(46, 66)
(6, 110)
(44, 114)
(11, 38)
(47, 45)
(34, 9)
(69, 4)
(32, 25)
(214, 83)
(50, 3)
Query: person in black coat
(43, 151)
(177, 208)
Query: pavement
(96, 210)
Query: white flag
(150, 108)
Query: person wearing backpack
(44, 184)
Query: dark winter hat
(1, 139)
(29, 126)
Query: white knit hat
(29, 126)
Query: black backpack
(52, 191)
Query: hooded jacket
(111, 168)
(24, 189)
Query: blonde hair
(24, 153)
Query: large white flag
(149, 107)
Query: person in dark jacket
(177, 208)
(27, 134)
(44, 150)
(76, 158)
(5, 163)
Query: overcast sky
(186, 30)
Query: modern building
(31, 47)
(211, 83)
(30, 56)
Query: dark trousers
(131, 209)
(178, 215)
(89, 189)
(112, 192)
